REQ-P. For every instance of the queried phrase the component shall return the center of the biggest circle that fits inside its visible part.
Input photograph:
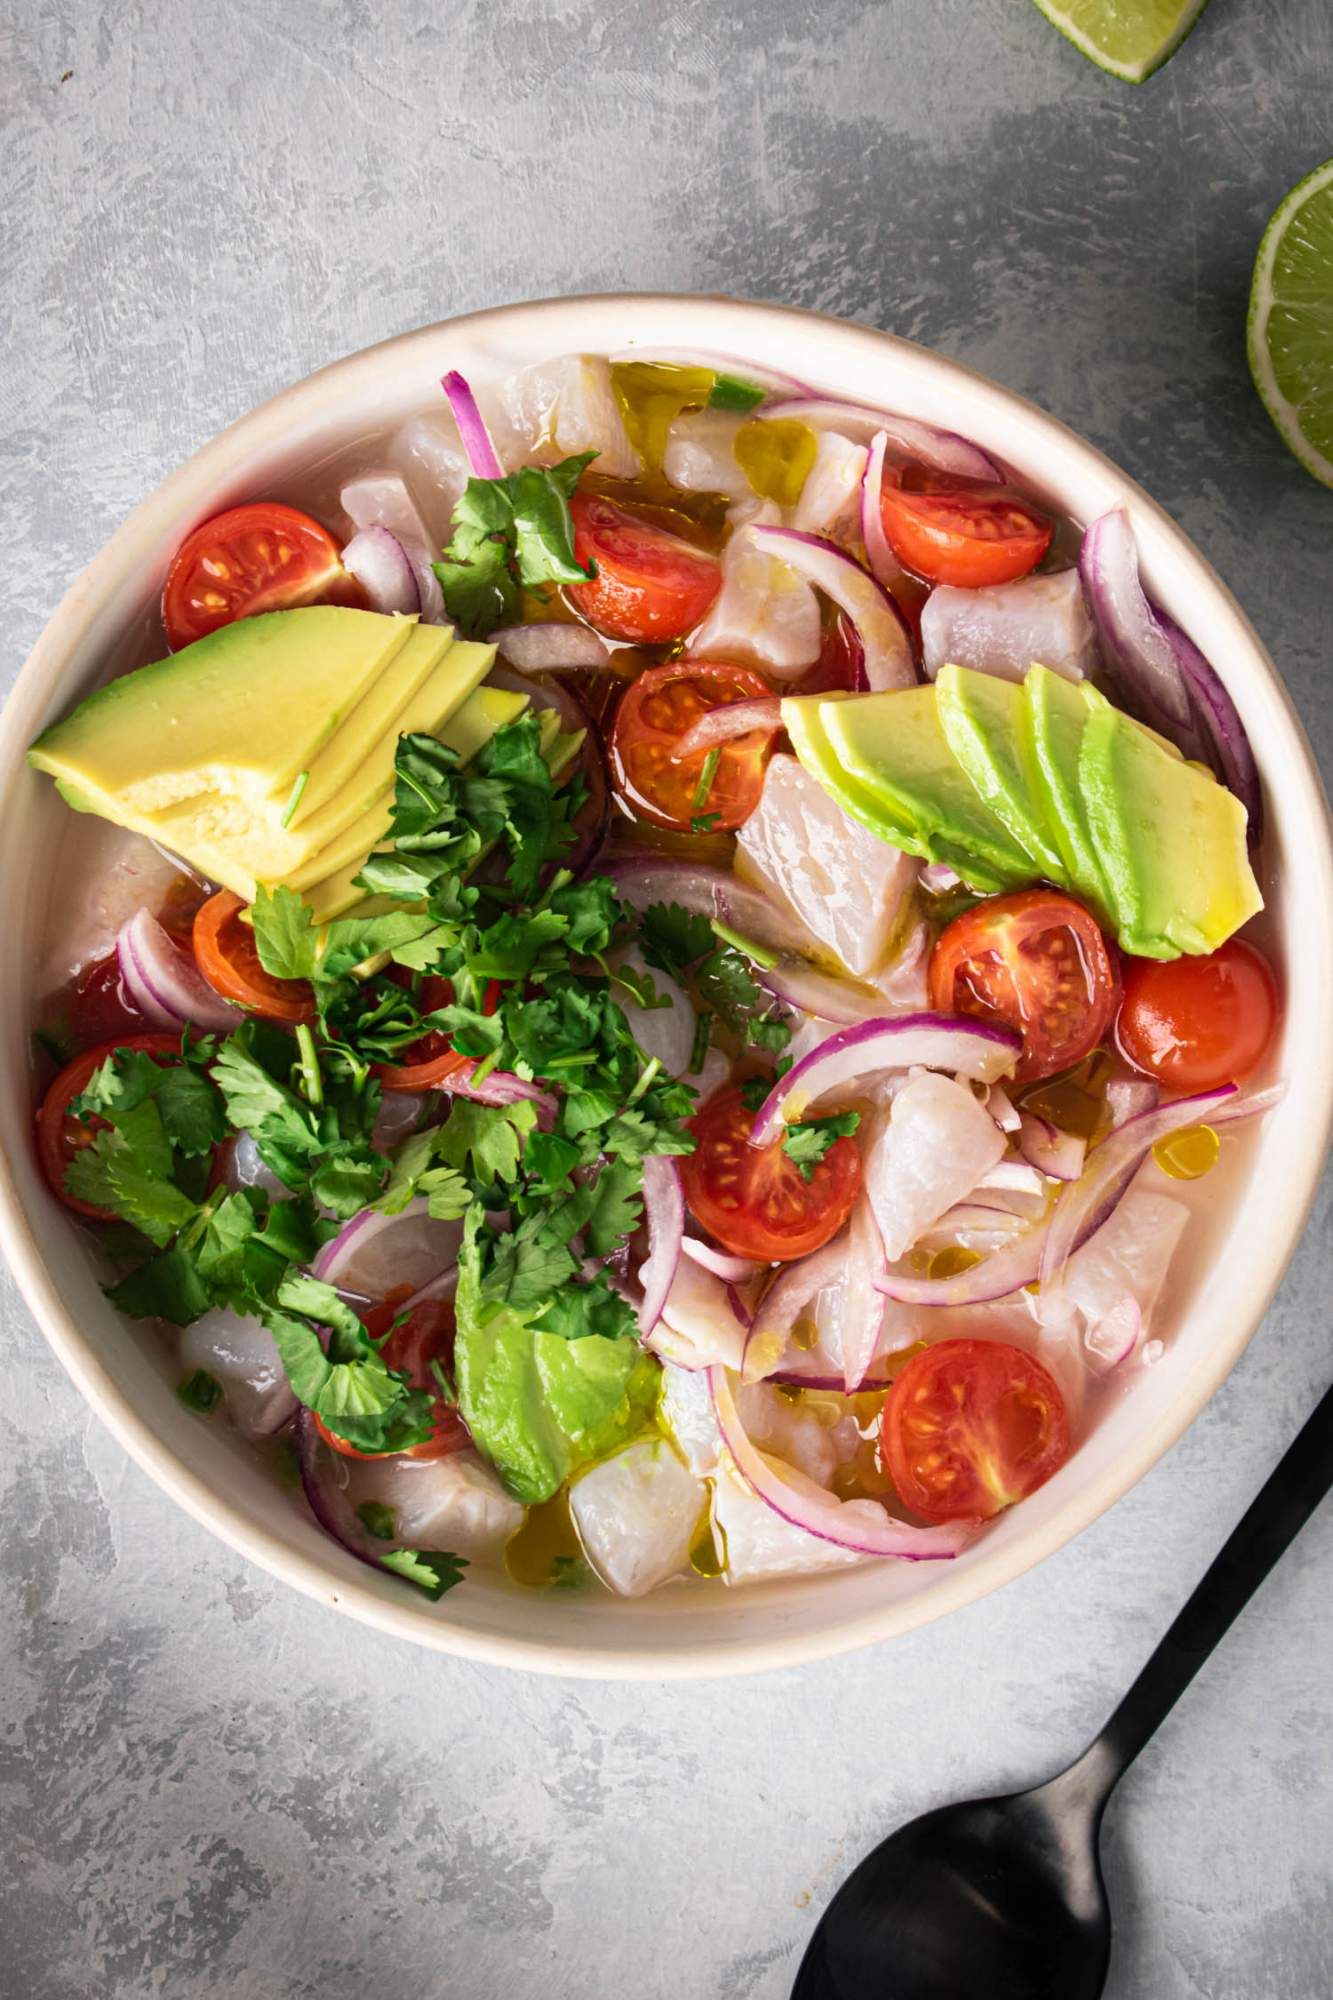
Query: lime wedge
(1126, 38)
(1290, 331)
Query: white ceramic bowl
(1233, 1256)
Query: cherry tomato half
(1196, 1022)
(957, 531)
(261, 557)
(227, 955)
(426, 1335)
(756, 1201)
(431, 1061)
(60, 1135)
(650, 586)
(971, 1426)
(1036, 961)
(657, 710)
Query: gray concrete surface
(210, 1787)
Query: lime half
(1126, 38)
(1290, 332)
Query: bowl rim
(39, 680)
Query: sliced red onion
(322, 1478)
(938, 876)
(734, 718)
(944, 451)
(731, 1269)
(861, 1525)
(1218, 726)
(543, 694)
(704, 1324)
(396, 1119)
(798, 984)
(476, 439)
(379, 563)
(1059, 1155)
(551, 648)
(879, 623)
(884, 565)
(501, 1086)
(1132, 637)
(795, 1286)
(995, 1277)
(163, 981)
(772, 379)
(381, 500)
(642, 880)
(1084, 1207)
(374, 1254)
(949, 1042)
(664, 1217)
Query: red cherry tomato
(226, 954)
(757, 1201)
(1196, 1022)
(426, 1336)
(657, 710)
(971, 1426)
(954, 531)
(1036, 961)
(431, 1061)
(261, 557)
(651, 586)
(60, 1135)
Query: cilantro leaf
(432, 1570)
(127, 1180)
(673, 939)
(582, 1310)
(165, 1287)
(509, 532)
(807, 1141)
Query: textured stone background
(211, 1787)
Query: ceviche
(646, 978)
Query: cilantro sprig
(509, 533)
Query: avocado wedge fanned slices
(265, 751)
(1011, 785)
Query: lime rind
(1129, 39)
(1295, 320)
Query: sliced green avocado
(979, 714)
(341, 764)
(242, 711)
(894, 745)
(800, 715)
(1051, 722)
(1170, 838)
(218, 833)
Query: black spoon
(1003, 1899)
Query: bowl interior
(1231, 1259)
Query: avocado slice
(1051, 723)
(240, 712)
(894, 745)
(800, 715)
(979, 714)
(332, 890)
(222, 834)
(341, 762)
(1170, 838)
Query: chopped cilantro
(732, 392)
(708, 772)
(807, 1141)
(508, 533)
(200, 1391)
(378, 1520)
(432, 1570)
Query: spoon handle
(1273, 1520)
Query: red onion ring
(642, 880)
(379, 563)
(552, 648)
(664, 1216)
(945, 451)
(950, 1042)
(731, 1269)
(164, 983)
(844, 1523)
(734, 718)
(801, 986)
(327, 1501)
(879, 623)
(472, 431)
(1059, 1155)
(884, 565)
(1218, 726)
(1132, 638)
